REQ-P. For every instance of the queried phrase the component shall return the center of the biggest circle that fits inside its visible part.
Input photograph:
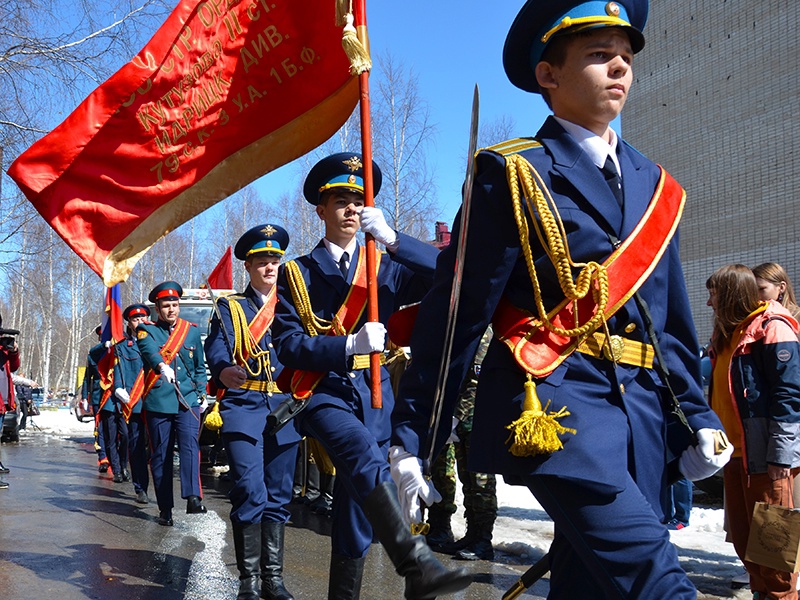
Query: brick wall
(716, 101)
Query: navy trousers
(164, 430)
(263, 474)
(101, 438)
(361, 465)
(137, 449)
(607, 546)
(115, 435)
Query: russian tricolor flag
(112, 329)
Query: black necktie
(612, 179)
(343, 264)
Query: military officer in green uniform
(175, 379)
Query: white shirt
(336, 252)
(591, 143)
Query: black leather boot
(480, 548)
(194, 505)
(440, 534)
(425, 576)
(457, 546)
(247, 545)
(4, 469)
(272, 587)
(344, 580)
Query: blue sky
(451, 46)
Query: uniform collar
(595, 147)
(336, 251)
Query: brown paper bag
(774, 539)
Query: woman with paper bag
(755, 389)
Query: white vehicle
(197, 307)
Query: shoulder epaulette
(514, 146)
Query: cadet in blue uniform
(604, 488)
(175, 379)
(312, 290)
(91, 392)
(128, 373)
(262, 465)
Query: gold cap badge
(612, 9)
(353, 163)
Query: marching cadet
(91, 393)
(128, 388)
(570, 400)
(243, 362)
(174, 385)
(112, 426)
(320, 331)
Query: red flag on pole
(221, 277)
(111, 332)
(222, 94)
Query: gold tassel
(536, 432)
(213, 420)
(354, 49)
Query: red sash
(137, 391)
(168, 352)
(302, 383)
(105, 368)
(537, 349)
(104, 398)
(263, 319)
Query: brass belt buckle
(614, 347)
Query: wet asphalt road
(68, 533)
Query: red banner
(226, 91)
(221, 278)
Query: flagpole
(360, 18)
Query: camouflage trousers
(480, 489)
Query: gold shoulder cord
(536, 431)
(302, 302)
(550, 230)
(246, 345)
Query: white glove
(85, 405)
(453, 435)
(371, 338)
(411, 485)
(123, 395)
(107, 344)
(203, 404)
(167, 373)
(712, 452)
(374, 223)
